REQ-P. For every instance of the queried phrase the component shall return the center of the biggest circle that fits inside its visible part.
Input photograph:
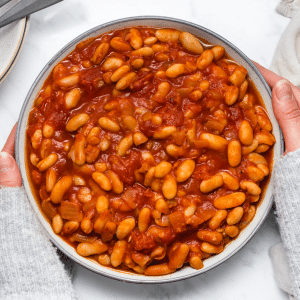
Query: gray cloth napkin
(281, 268)
(288, 8)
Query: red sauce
(196, 100)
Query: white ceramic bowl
(213, 38)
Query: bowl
(161, 22)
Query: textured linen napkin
(286, 60)
(286, 63)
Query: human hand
(10, 175)
(286, 106)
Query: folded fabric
(288, 8)
(286, 60)
(281, 267)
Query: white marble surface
(254, 27)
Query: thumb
(9, 146)
(287, 112)
(10, 175)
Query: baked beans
(149, 150)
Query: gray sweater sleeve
(30, 268)
(287, 198)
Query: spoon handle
(23, 9)
(3, 2)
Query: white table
(255, 28)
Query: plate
(12, 38)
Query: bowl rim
(117, 274)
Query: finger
(9, 146)
(271, 77)
(10, 175)
(287, 112)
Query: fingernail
(283, 90)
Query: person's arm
(29, 265)
(286, 106)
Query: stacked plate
(12, 38)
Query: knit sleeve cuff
(292, 159)
(29, 265)
(287, 198)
